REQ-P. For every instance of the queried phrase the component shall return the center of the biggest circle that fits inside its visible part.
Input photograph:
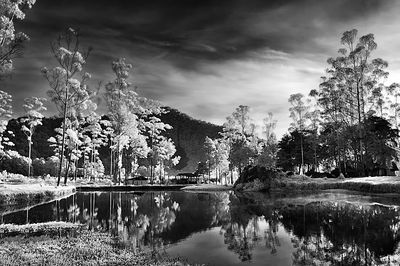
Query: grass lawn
(378, 184)
(82, 248)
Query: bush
(13, 162)
(42, 167)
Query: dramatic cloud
(207, 57)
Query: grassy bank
(24, 195)
(207, 187)
(84, 248)
(381, 184)
(49, 229)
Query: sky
(207, 57)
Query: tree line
(131, 128)
(349, 124)
(351, 121)
(239, 145)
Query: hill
(189, 134)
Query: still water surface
(224, 228)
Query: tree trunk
(302, 153)
(111, 160)
(63, 135)
(119, 163)
(76, 169)
(30, 153)
(209, 171)
(67, 170)
(151, 170)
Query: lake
(227, 228)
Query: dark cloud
(181, 47)
(198, 30)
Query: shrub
(13, 162)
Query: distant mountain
(187, 133)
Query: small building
(137, 180)
(187, 178)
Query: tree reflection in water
(344, 233)
(333, 233)
(319, 232)
(137, 219)
(242, 234)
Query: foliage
(289, 154)
(124, 106)
(95, 169)
(32, 106)
(48, 166)
(13, 162)
(67, 92)
(11, 43)
(379, 140)
(268, 155)
(40, 145)
(342, 116)
(239, 134)
(5, 115)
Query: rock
(255, 185)
(255, 178)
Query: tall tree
(33, 107)
(314, 116)
(210, 150)
(163, 151)
(289, 155)
(239, 121)
(268, 152)
(127, 112)
(355, 80)
(11, 47)
(239, 135)
(269, 127)
(66, 90)
(298, 112)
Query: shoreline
(206, 188)
(363, 184)
(92, 188)
(24, 196)
(379, 184)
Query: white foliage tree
(33, 107)
(299, 113)
(123, 106)
(11, 46)
(68, 82)
(11, 43)
(163, 151)
(5, 115)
